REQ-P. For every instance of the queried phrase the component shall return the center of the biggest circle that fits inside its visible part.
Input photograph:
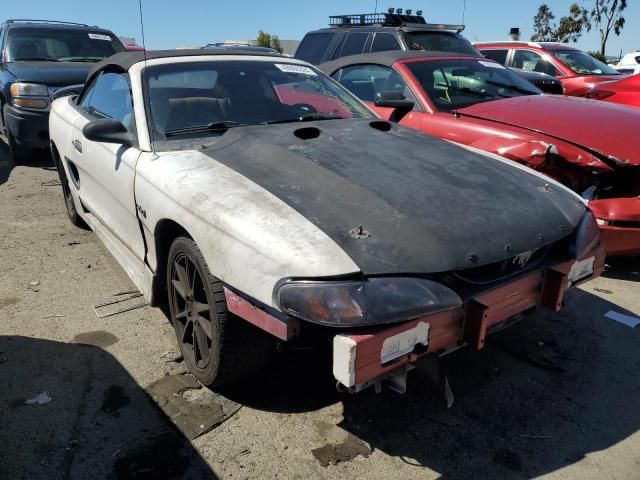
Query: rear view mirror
(107, 130)
(394, 99)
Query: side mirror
(395, 100)
(107, 130)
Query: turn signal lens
(31, 103)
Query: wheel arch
(165, 232)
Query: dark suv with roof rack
(377, 32)
(39, 58)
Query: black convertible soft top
(125, 60)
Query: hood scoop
(307, 133)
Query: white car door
(108, 169)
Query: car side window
(313, 47)
(109, 97)
(353, 44)
(383, 42)
(533, 62)
(499, 55)
(365, 81)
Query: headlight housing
(20, 89)
(23, 95)
(371, 301)
(586, 236)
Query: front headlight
(586, 236)
(373, 301)
(21, 89)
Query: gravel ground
(554, 396)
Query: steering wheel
(305, 107)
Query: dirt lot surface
(555, 396)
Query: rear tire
(218, 347)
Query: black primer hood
(424, 205)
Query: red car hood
(605, 128)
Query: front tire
(218, 347)
(69, 203)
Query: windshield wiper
(515, 88)
(218, 127)
(471, 91)
(35, 59)
(80, 59)
(305, 118)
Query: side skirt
(141, 276)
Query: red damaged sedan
(625, 91)
(589, 146)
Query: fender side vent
(308, 133)
(382, 126)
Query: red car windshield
(454, 84)
(583, 63)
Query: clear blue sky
(172, 23)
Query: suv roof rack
(390, 19)
(28, 20)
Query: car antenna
(144, 53)
(455, 112)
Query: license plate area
(581, 269)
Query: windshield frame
(554, 54)
(405, 67)
(158, 137)
(10, 57)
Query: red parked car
(625, 91)
(578, 71)
(589, 146)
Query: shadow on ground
(542, 395)
(39, 159)
(623, 268)
(98, 424)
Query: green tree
(571, 26)
(543, 24)
(569, 29)
(268, 41)
(607, 16)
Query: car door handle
(77, 145)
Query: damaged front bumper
(619, 220)
(368, 358)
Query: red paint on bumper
(471, 322)
(619, 239)
(261, 319)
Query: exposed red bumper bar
(363, 357)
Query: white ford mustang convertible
(262, 202)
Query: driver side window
(109, 97)
(533, 62)
(365, 81)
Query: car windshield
(583, 63)
(454, 84)
(440, 42)
(60, 45)
(209, 97)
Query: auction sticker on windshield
(98, 36)
(289, 68)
